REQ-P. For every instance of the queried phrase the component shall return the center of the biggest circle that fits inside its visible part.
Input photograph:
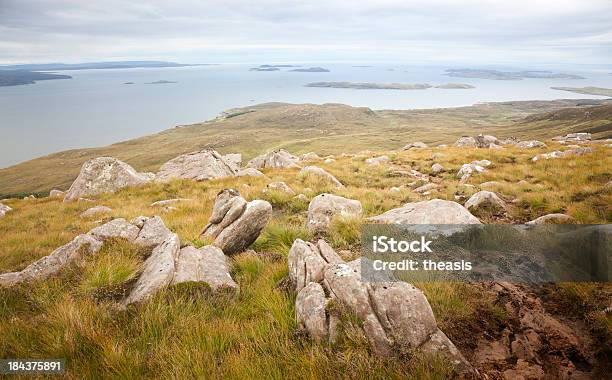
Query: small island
(370, 86)
(21, 77)
(587, 90)
(264, 69)
(387, 86)
(128, 83)
(161, 82)
(455, 86)
(508, 75)
(311, 70)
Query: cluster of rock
(235, 223)
(4, 209)
(530, 144)
(573, 137)
(467, 170)
(579, 151)
(275, 159)
(480, 141)
(395, 316)
(415, 145)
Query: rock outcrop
(321, 173)
(324, 207)
(467, 170)
(377, 160)
(558, 154)
(466, 142)
(552, 219)
(158, 270)
(207, 264)
(480, 141)
(234, 159)
(275, 159)
(394, 315)
(485, 201)
(249, 172)
(234, 223)
(152, 233)
(4, 209)
(437, 169)
(279, 187)
(116, 228)
(574, 137)
(415, 145)
(435, 211)
(105, 175)
(530, 144)
(200, 166)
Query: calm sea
(96, 108)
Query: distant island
(21, 77)
(129, 83)
(15, 75)
(312, 70)
(508, 75)
(587, 90)
(270, 67)
(161, 82)
(455, 86)
(94, 65)
(387, 86)
(264, 69)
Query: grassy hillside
(188, 332)
(327, 129)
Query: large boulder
(275, 159)
(307, 261)
(4, 209)
(466, 142)
(116, 228)
(324, 207)
(415, 145)
(558, 154)
(158, 270)
(530, 144)
(485, 201)
(207, 264)
(310, 312)
(321, 173)
(105, 175)
(552, 219)
(54, 262)
(200, 166)
(152, 233)
(234, 223)
(435, 211)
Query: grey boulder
(207, 264)
(324, 207)
(275, 159)
(105, 175)
(485, 201)
(435, 211)
(200, 166)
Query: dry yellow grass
(188, 332)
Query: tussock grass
(189, 332)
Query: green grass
(325, 129)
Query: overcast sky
(484, 31)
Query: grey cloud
(69, 30)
